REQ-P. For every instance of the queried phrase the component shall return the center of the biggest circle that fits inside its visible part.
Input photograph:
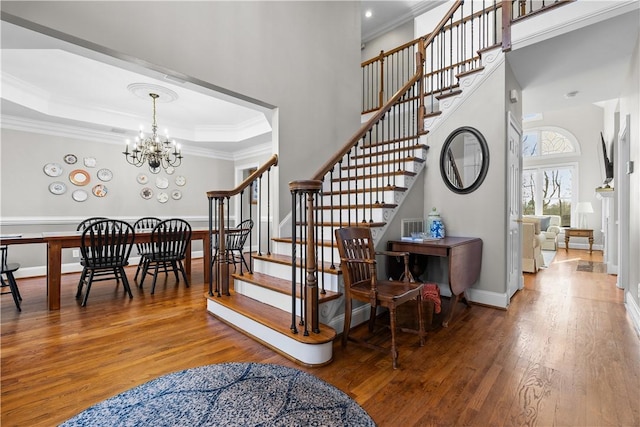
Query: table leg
(566, 242)
(187, 259)
(54, 271)
(591, 244)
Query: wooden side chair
(7, 269)
(358, 265)
(235, 239)
(169, 241)
(105, 249)
(146, 223)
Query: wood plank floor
(565, 353)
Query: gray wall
(481, 213)
(302, 57)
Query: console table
(578, 232)
(465, 258)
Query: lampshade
(584, 207)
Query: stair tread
(272, 318)
(375, 175)
(366, 190)
(282, 286)
(385, 162)
(286, 260)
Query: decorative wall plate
(90, 162)
(99, 190)
(176, 195)
(162, 182)
(146, 193)
(105, 175)
(70, 159)
(58, 187)
(181, 180)
(79, 195)
(163, 197)
(79, 177)
(53, 169)
(142, 178)
(170, 170)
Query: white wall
(630, 106)
(388, 41)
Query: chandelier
(155, 150)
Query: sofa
(532, 240)
(549, 228)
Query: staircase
(292, 300)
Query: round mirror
(464, 160)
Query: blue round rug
(228, 394)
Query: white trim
(493, 299)
(74, 220)
(633, 310)
(75, 267)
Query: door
(515, 279)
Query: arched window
(549, 177)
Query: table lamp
(582, 209)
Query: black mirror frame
(485, 160)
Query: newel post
(309, 190)
(506, 25)
(381, 92)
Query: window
(549, 183)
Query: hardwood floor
(565, 353)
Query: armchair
(532, 240)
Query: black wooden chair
(6, 270)
(105, 249)
(235, 239)
(169, 241)
(358, 265)
(147, 223)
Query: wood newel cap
(305, 185)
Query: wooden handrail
(273, 161)
(364, 129)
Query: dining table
(58, 240)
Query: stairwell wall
(481, 213)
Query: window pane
(528, 192)
(555, 143)
(530, 144)
(556, 192)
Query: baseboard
(491, 299)
(634, 311)
(75, 267)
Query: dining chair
(235, 239)
(82, 225)
(105, 249)
(358, 265)
(6, 270)
(147, 223)
(169, 241)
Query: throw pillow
(544, 222)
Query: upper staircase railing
(251, 192)
(452, 49)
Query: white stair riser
(361, 169)
(378, 156)
(285, 249)
(265, 296)
(309, 354)
(387, 196)
(283, 271)
(399, 180)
